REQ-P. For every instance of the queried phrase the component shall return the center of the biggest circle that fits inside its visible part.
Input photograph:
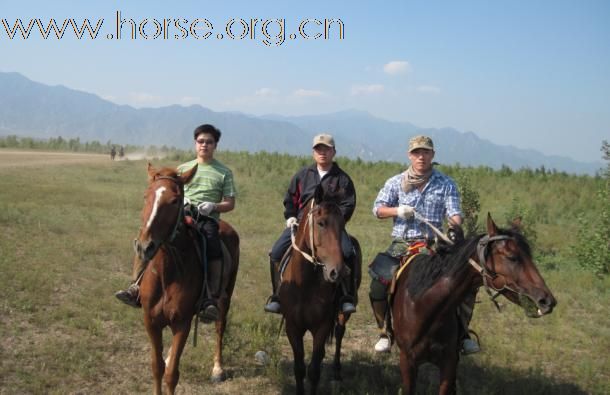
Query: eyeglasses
(204, 141)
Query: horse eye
(321, 224)
(513, 258)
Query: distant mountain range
(32, 109)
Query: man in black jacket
(302, 186)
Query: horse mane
(167, 172)
(451, 261)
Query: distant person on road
(112, 153)
(302, 187)
(434, 197)
(121, 152)
(210, 192)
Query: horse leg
(218, 373)
(408, 371)
(339, 332)
(172, 372)
(448, 372)
(295, 336)
(319, 349)
(158, 365)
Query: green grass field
(65, 248)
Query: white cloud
(266, 92)
(430, 89)
(305, 93)
(397, 67)
(367, 89)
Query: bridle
(309, 223)
(180, 218)
(483, 246)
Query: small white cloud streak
(397, 67)
(305, 93)
(367, 89)
(266, 92)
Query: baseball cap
(325, 139)
(421, 142)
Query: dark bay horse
(309, 290)
(172, 282)
(426, 325)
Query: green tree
(470, 204)
(593, 246)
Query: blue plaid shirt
(439, 199)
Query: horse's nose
(333, 275)
(547, 303)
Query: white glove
(206, 208)
(187, 201)
(292, 221)
(405, 211)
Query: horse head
(508, 262)
(163, 209)
(321, 232)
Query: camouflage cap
(324, 139)
(421, 142)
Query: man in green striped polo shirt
(210, 192)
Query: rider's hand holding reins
(405, 211)
(206, 208)
(292, 221)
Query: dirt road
(17, 158)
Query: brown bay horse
(172, 282)
(426, 325)
(309, 290)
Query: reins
(480, 267)
(309, 223)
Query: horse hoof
(218, 378)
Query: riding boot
(131, 295)
(347, 300)
(209, 309)
(465, 310)
(273, 302)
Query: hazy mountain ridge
(32, 109)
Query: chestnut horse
(426, 325)
(172, 282)
(309, 292)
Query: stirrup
(130, 296)
(273, 305)
(208, 313)
(469, 346)
(348, 308)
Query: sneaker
(273, 306)
(383, 344)
(348, 308)
(209, 313)
(469, 346)
(130, 296)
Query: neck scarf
(412, 180)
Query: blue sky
(532, 74)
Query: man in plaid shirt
(434, 196)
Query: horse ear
(492, 229)
(318, 195)
(516, 225)
(152, 172)
(188, 175)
